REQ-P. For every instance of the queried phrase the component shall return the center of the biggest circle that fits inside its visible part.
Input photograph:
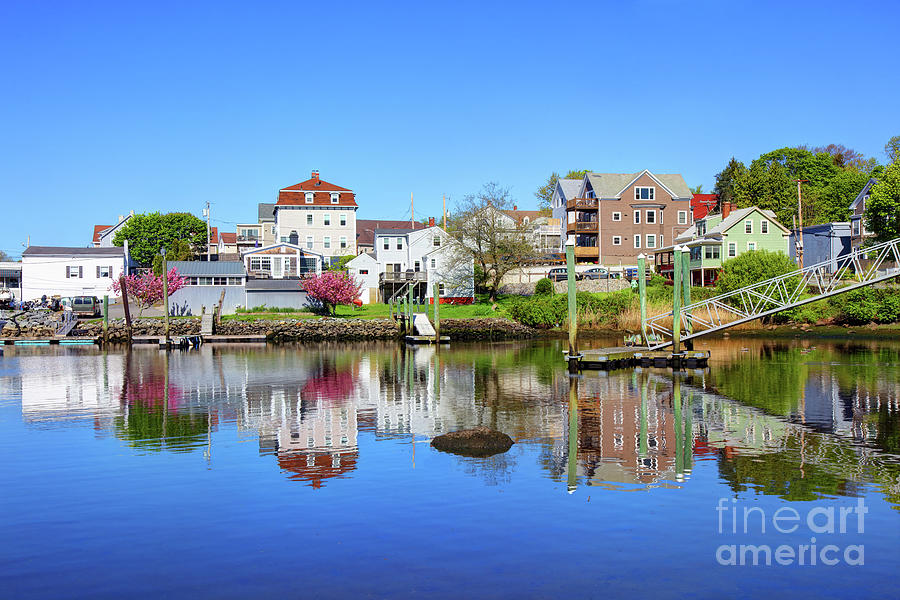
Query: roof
(284, 285)
(98, 229)
(738, 215)
(365, 229)
(301, 249)
(862, 193)
(519, 215)
(295, 195)
(193, 268)
(266, 212)
(228, 237)
(611, 185)
(570, 187)
(704, 199)
(69, 251)
(397, 231)
(213, 235)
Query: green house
(719, 237)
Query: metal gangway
(777, 294)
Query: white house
(318, 216)
(281, 261)
(104, 234)
(50, 270)
(424, 257)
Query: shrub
(543, 287)
(868, 305)
(752, 267)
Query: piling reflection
(794, 419)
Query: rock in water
(479, 442)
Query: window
(417, 267)
(617, 240)
(309, 219)
(284, 238)
(617, 216)
(661, 244)
(695, 253)
(651, 240)
(387, 243)
(637, 240)
(309, 197)
(334, 197)
(399, 243)
(248, 233)
(363, 271)
(748, 226)
(273, 230)
(682, 217)
(764, 226)
(327, 220)
(432, 263)
(651, 216)
(343, 220)
(327, 242)
(205, 280)
(732, 249)
(644, 193)
(309, 242)
(856, 227)
(440, 289)
(343, 241)
(637, 217)
(74, 272)
(220, 281)
(436, 242)
(234, 280)
(751, 245)
(701, 227)
(711, 252)
(190, 281)
(103, 272)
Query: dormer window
(437, 241)
(309, 197)
(335, 198)
(644, 193)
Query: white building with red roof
(318, 216)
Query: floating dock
(619, 357)
(426, 339)
(49, 341)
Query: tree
(497, 243)
(833, 201)
(4, 257)
(842, 156)
(883, 206)
(752, 267)
(892, 149)
(147, 233)
(332, 288)
(727, 178)
(178, 250)
(147, 289)
(698, 189)
(544, 194)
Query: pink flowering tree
(332, 288)
(147, 289)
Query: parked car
(560, 274)
(86, 305)
(595, 273)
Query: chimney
(515, 207)
(727, 207)
(431, 221)
(315, 176)
(121, 218)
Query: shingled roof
(295, 195)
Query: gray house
(821, 243)
(205, 283)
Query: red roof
(701, 204)
(365, 229)
(229, 238)
(295, 195)
(213, 235)
(98, 229)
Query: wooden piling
(437, 314)
(573, 309)
(676, 301)
(105, 319)
(642, 452)
(679, 425)
(165, 276)
(572, 462)
(123, 286)
(642, 293)
(686, 284)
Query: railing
(587, 251)
(403, 276)
(582, 227)
(248, 238)
(779, 293)
(585, 203)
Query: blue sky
(111, 107)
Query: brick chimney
(727, 207)
(515, 207)
(431, 221)
(315, 176)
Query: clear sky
(108, 107)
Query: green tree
(833, 201)
(177, 250)
(544, 194)
(726, 180)
(892, 149)
(697, 189)
(883, 207)
(147, 233)
(752, 267)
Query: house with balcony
(282, 261)
(565, 190)
(416, 259)
(616, 216)
(317, 215)
(543, 230)
(719, 237)
(858, 233)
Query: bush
(752, 267)
(545, 312)
(868, 305)
(543, 287)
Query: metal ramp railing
(777, 294)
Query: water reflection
(796, 419)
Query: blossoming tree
(147, 289)
(332, 288)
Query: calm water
(306, 471)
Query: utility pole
(444, 200)
(800, 222)
(206, 214)
(412, 212)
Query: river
(254, 471)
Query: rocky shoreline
(303, 330)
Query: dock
(619, 357)
(426, 339)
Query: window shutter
(110, 272)
(80, 272)
(98, 271)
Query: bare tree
(495, 241)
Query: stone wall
(561, 287)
